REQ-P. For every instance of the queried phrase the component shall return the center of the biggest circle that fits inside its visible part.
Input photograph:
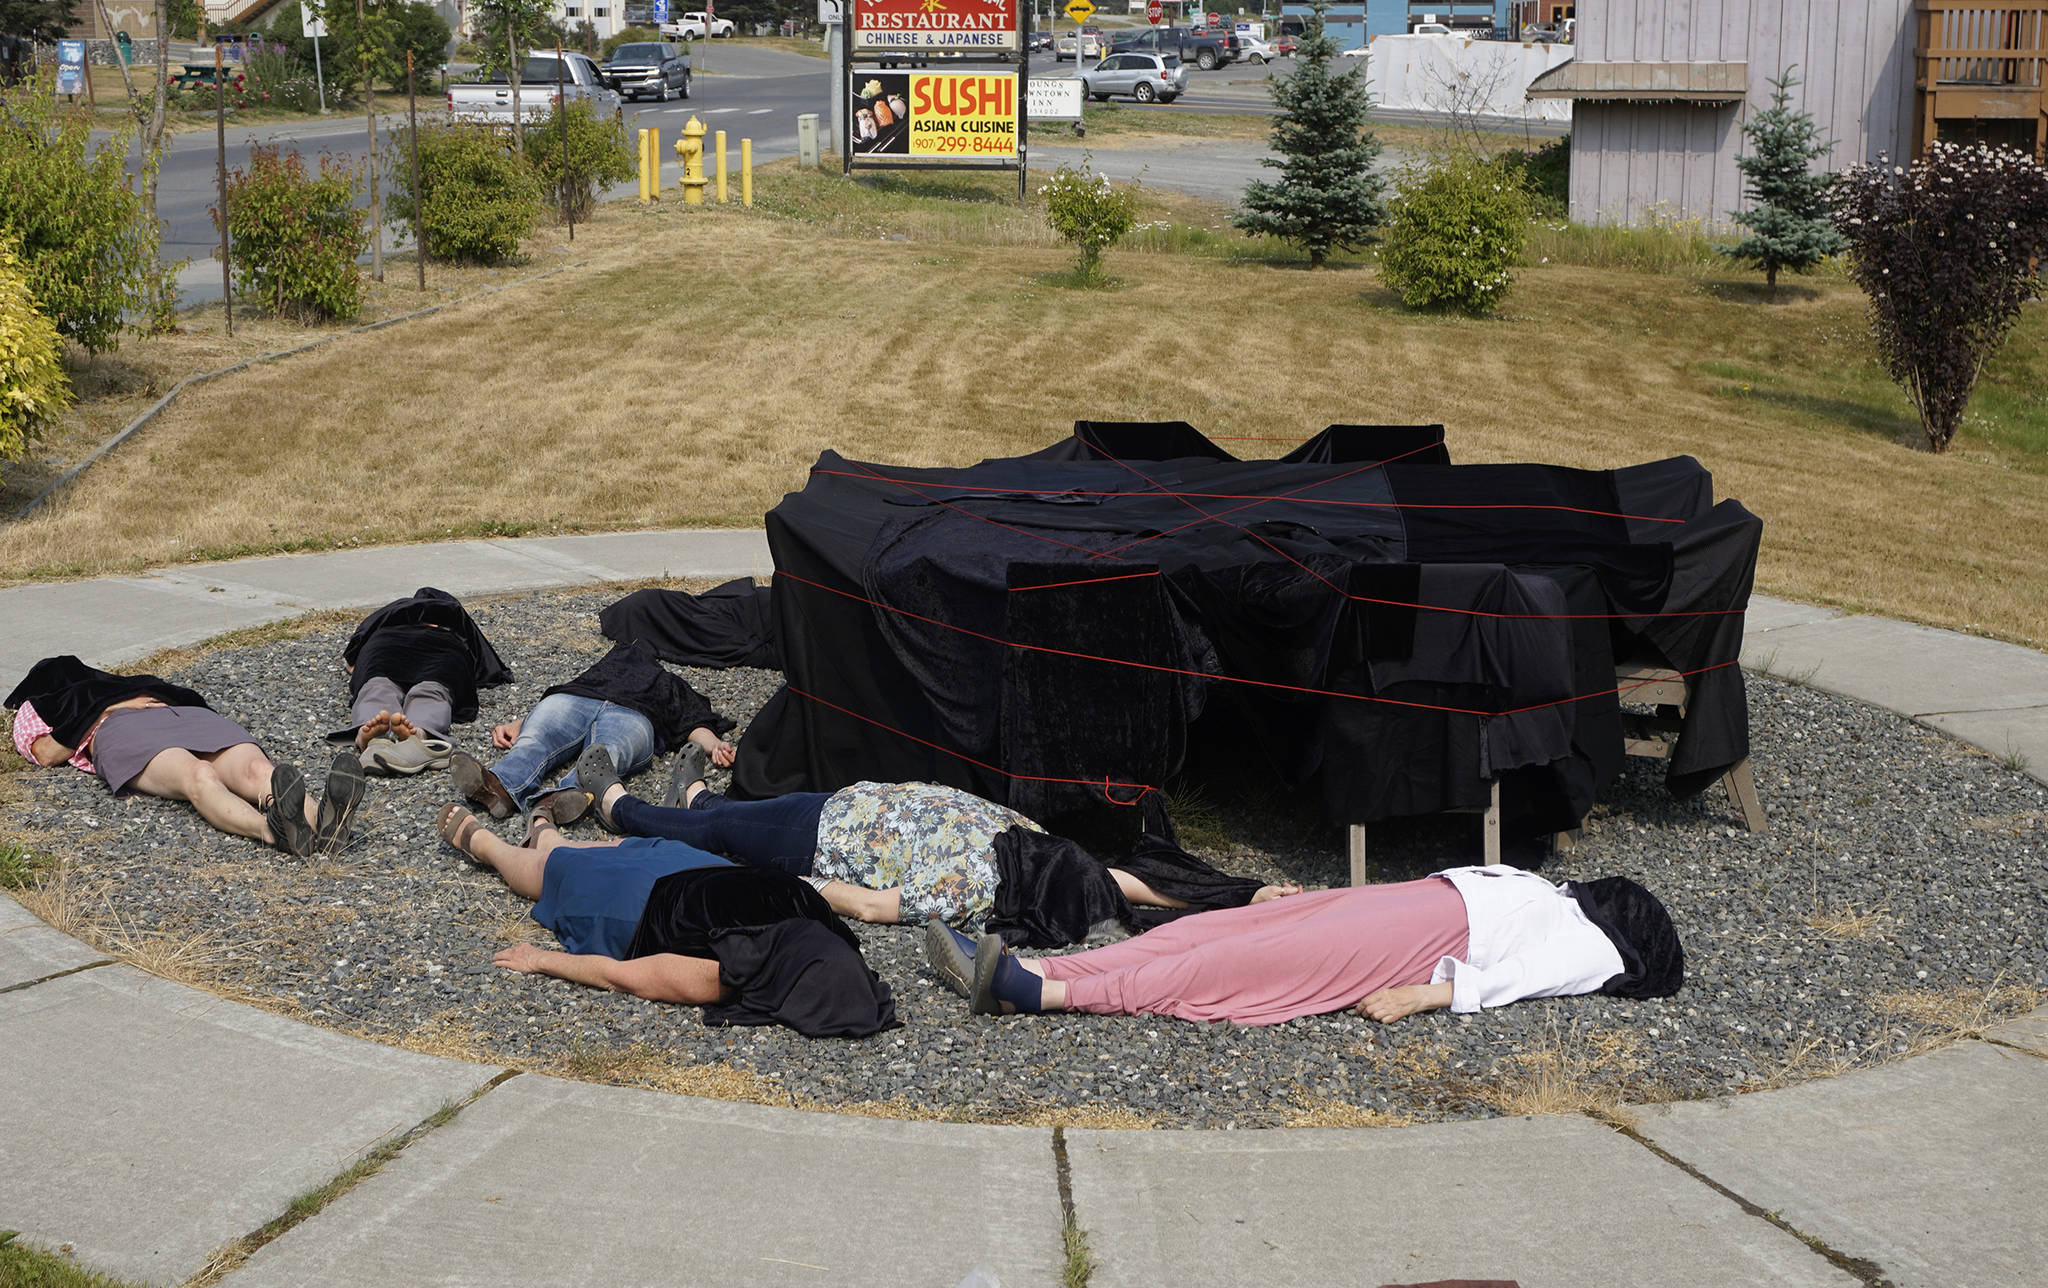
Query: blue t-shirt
(592, 899)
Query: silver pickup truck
(540, 76)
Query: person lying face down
(626, 703)
(414, 667)
(1464, 938)
(670, 923)
(139, 733)
(903, 852)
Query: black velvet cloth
(1135, 601)
(630, 676)
(426, 636)
(69, 695)
(1652, 958)
(1051, 891)
(728, 625)
(781, 949)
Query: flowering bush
(1085, 210)
(33, 387)
(1947, 251)
(1458, 228)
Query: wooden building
(1660, 89)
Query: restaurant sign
(963, 26)
(969, 115)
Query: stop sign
(1154, 11)
(1215, 19)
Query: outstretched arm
(721, 751)
(1390, 1004)
(662, 977)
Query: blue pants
(780, 832)
(557, 730)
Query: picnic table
(200, 74)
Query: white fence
(1451, 74)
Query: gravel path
(1940, 847)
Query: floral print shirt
(937, 843)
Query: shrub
(1787, 217)
(481, 198)
(1946, 251)
(1085, 210)
(628, 36)
(1457, 234)
(1546, 175)
(87, 241)
(598, 154)
(33, 387)
(295, 237)
(1328, 197)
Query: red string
(1088, 581)
(1105, 783)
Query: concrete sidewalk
(154, 1126)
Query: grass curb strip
(65, 479)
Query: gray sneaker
(951, 954)
(383, 756)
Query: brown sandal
(535, 825)
(458, 827)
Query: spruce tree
(1788, 214)
(1327, 198)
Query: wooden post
(419, 199)
(562, 112)
(370, 117)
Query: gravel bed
(1869, 813)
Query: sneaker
(285, 811)
(404, 758)
(952, 955)
(440, 749)
(981, 996)
(595, 774)
(693, 766)
(339, 800)
(370, 756)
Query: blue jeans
(557, 730)
(780, 832)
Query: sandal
(539, 823)
(458, 827)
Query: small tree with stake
(1948, 252)
(1328, 198)
(1788, 214)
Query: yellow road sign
(1080, 10)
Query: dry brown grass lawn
(693, 371)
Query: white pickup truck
(692, 26)
(540, 76)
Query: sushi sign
(965, 26)
(967, 115)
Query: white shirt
(1525, 938)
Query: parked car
(1363, 51)
(1145, 77)
(1093, 44)
(1253, 49)
(1430, 29)
(490, 101)
(691, 26)
(649, 69)
(1201, 46)
(1285, 44)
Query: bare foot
(371, 728)
(402, 728)
(1275, 892)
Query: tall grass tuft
(1664, 245)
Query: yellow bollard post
(641, 143)
(746, 172)
(721, 167)
(691, 149)
(654, 163)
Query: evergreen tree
(37, 21)
(1788, 214)
(1327, 198)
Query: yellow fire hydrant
(691, 149)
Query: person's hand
(1390, 1004)
(524, 958)
(504, 735)
(722, 753)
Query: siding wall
(1635, 162)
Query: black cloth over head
(1050, 891)
(427, 636)
(1652, 958)
(630, 676)
(779, 946)
(69, 695)
(1415, 444)
(728, 625)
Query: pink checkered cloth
(28, 726)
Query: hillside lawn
(685, 367)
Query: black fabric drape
(426, 636)
(69, 695)
(779, 946)
(1415, 444)
(1052, 892)
(1640, 928)
(728, 625)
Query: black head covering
(1652, 959)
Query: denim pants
(780, 832)
(557, 730)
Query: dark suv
(1207, 48)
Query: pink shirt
(28, 726)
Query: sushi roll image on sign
(970, 115)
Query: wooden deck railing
(1970, 43)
